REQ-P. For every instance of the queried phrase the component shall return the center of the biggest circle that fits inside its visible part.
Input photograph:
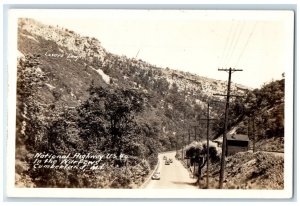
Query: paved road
(173, 176)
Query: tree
(107, 118)
(29, 119)
(161, 85)
(196, 152)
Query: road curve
(173, 176)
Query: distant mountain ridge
(90, 50)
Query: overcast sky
(259, 42)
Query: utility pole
(230, 70)
(195, 131)
(182, 151)
(195, 139)
(189, 136)
(207, 143)
(176, 144)
(253, 132)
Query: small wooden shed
(237, 143)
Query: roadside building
(237, 143)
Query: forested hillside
(260, 114)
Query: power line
(246, 44)
(231, 44)
(237, 40)
(226, 43)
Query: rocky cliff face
(84, 57)
(83, 47)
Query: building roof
(238, 137)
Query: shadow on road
(185, 183)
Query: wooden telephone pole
(195, 128)
(254, 133)
(230, 70)
(189, 136)
(207, 143)
(251, 131)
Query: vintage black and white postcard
(150, 103)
